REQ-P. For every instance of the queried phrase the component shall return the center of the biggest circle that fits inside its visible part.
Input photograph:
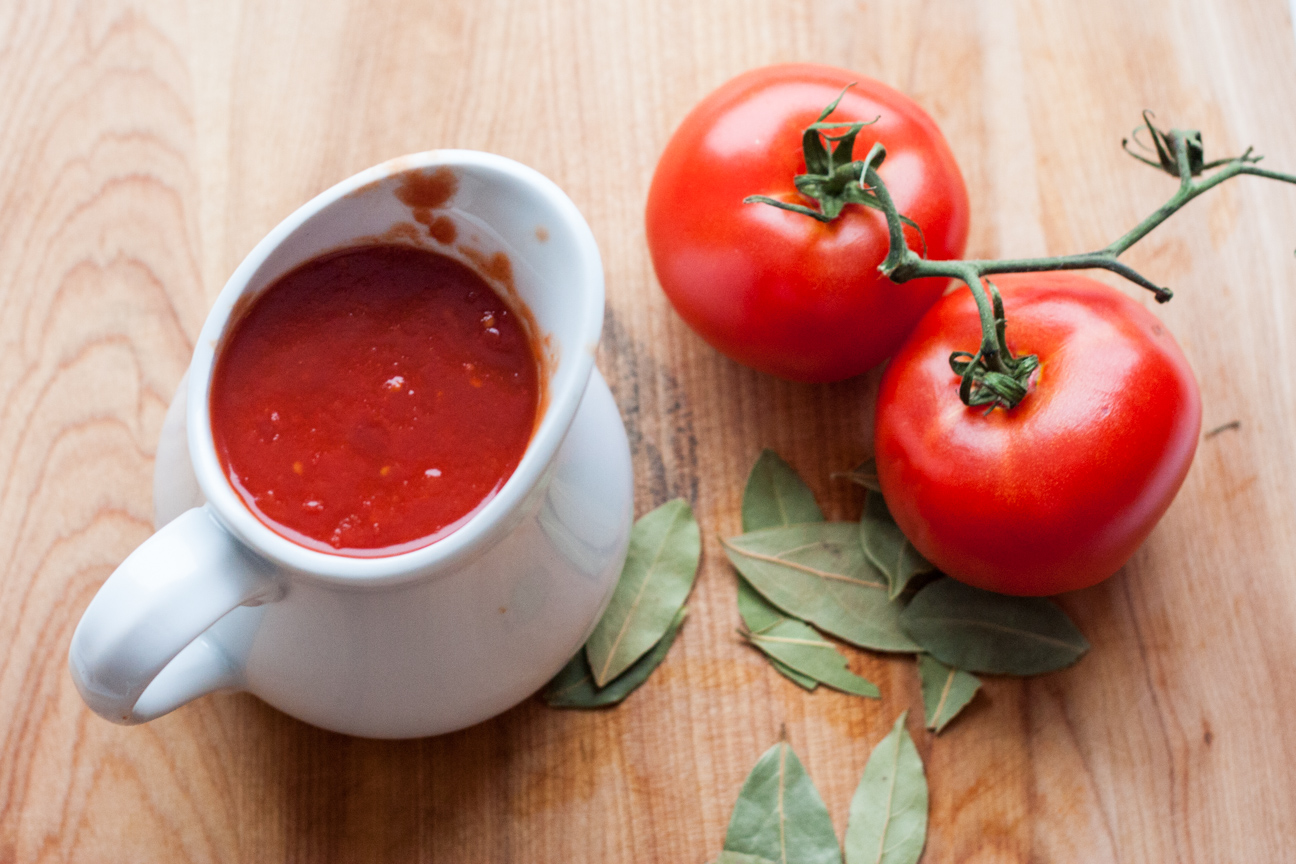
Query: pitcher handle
(139, 650)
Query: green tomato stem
(907, 265)
(993, 376)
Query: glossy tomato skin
(780, 291)
(1057, 493)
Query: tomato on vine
(1056, 493)
(1026, 465)
(793, 290)
(1038, 462)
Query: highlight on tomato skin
(1057, 493)
(779, 291)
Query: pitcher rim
(491, 522)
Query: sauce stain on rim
(425, 192)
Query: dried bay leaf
(817, 572)
(888, 813)
(804, 681)
(665, 547)
(759, 616)
(574, 686)
(864, 475)
(780, 816)
(886, 546)
(727, 857)
(980, 631)
(797, 645)
(757, 612)
(945, 691)
(776, 495)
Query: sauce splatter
(442, 229)
(426, 191)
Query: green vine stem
(992, 376)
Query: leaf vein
(945, 691)
(886, 819)
(805, 568)
(643, 587)
(1004, 628)
(786, 640)
(570, 687)
(781, 812)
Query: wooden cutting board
(145, 147)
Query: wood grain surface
(145, 147)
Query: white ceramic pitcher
(414, 644)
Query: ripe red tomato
(1056, 493)
(781, 291)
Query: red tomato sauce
(372, 400)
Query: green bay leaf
(574, 687)
(945, 691)
(980, 631)
(665, 547)
(797, 645)
(780, 816)
(776, 495)
(817, 572)
(886, 546)
(888, 813)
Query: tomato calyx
(833, 177)
(784, 292)
(992, 375)
(1167, 150)
(999, 382)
